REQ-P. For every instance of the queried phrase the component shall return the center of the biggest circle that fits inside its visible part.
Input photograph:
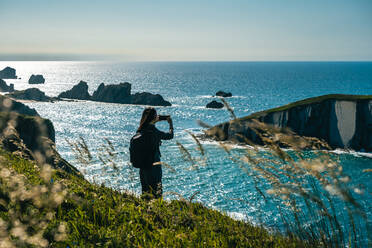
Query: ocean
(217, 183)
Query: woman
(151, 177)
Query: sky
(173, 30)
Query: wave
(212, 96)
(261, 148)
(353, 153)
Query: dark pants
(151, 181)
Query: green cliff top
(308, 101)
(89, 215)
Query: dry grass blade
(81, 151)
(171, 168)
(193, 196)
(197, 141)
(203, 124)
(289, 174)
(108, 155)
(185, 153)
(231, 111)
(84, 147)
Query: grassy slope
(99, 216)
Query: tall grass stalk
(311, 192)
(306, 186)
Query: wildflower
(58, 199)
(345, 179)
(18, 231)
(332, 189)
(46, 172)
(5, 173)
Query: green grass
(97, 216)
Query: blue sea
(189, 86)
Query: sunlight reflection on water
(221, 183)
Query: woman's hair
(148, 115)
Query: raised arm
(169, 135)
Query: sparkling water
(189, 86)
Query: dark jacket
(157, 137)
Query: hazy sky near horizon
(172, 30)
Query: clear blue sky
(171, 30)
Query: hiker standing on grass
(145, 152)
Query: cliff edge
(25, 133)
(343, 121)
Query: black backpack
(142, 149)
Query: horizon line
(178, 61)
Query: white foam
(212, 96)
(238, 97)
(353, 153)
(237, 216)
(206, 96)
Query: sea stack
(146, 98)
(215, 104)
(114, 93)
(8, 73)
(79, 91)
(36, 79)
(223, 94)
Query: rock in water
(36, 79)
(223, 94)
(343, 121)
(215, 104)
(79, 91)
(8, 73)
(115, 93)
(5, 88)
(146, 98)
(30, 94)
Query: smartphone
(163, 117)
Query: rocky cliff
(343, 121)
(5, 88)
(24, 132)
(8, 105)
(33, 94)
